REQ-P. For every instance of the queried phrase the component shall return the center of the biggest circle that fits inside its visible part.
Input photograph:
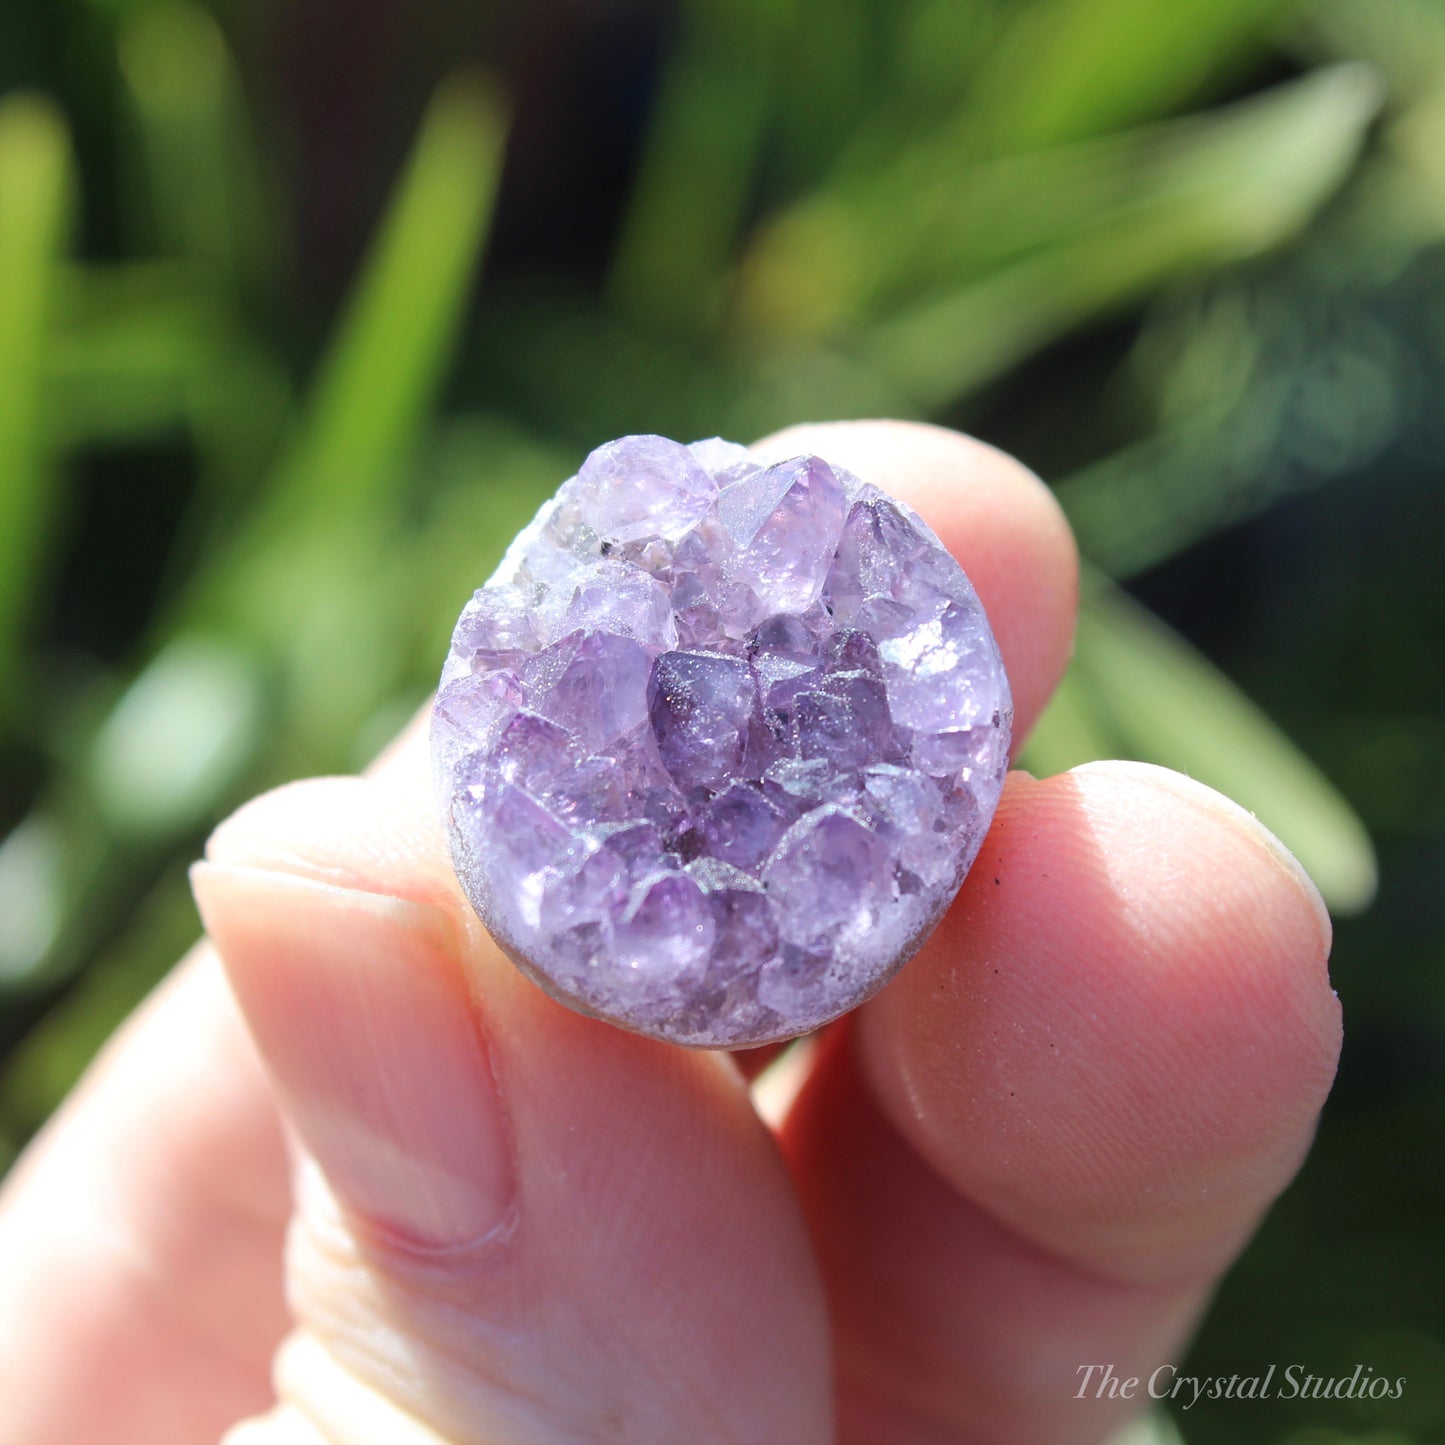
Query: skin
(1038, 1148)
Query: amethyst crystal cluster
(718, 741)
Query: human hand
(1036, 1149)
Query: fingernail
(1201, 795)
(360, 1009)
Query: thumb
(512, 1223)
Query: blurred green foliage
(838, 208)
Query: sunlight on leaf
(1233, 186)
(1071, 68)
(35, 200)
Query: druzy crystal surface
(718, 742)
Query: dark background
(305, 306)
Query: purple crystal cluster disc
(718, 742)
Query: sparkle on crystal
(719, 740)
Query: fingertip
(1280, 959)
(1120, 1038)
(1245, 824)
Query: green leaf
(702, 149)
(204, 180)
(36, 185)
(1169, 705)
(1219, 191)
(1071, 68)
(380, 379)
(1212, 188)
